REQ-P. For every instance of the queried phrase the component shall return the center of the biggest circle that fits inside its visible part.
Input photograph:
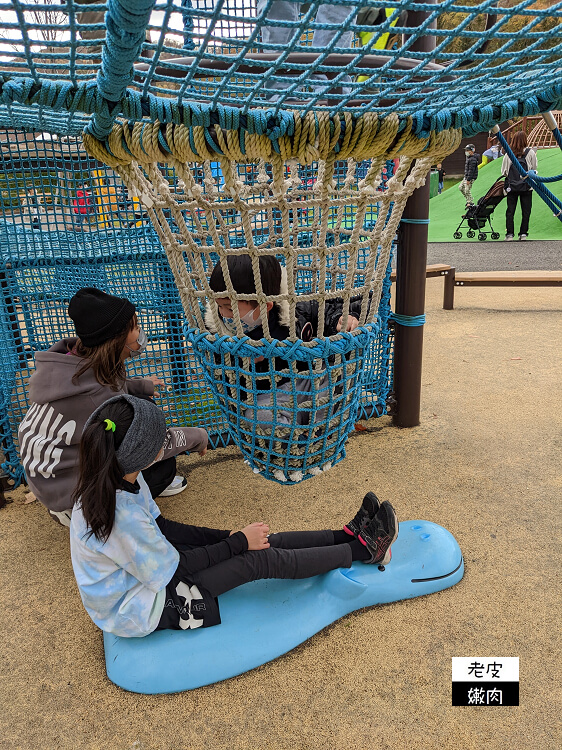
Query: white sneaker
(522, 237)
(178, 485)
(509, 238)
(63, 517)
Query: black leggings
(292, 554)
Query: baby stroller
(477, 216)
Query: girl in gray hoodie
(72, 379)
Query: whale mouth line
(438, 578)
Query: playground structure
(542, 136)
(158, 118)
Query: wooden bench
(438, 269)
(496, 278)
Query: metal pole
(411, 263)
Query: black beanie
(98, 316)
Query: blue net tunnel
(143, 142)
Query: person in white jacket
(517, 187)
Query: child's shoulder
(130, 503)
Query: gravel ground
(539, 255)
(483, 463)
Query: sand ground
(485, 463)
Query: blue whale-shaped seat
(264, 619)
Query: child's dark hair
(100, 474)
(242, 275)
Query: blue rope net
(296, 425)
(48, 251)
(244, 59)
(271, 95)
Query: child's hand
(156, 381)
(256, 534)
(352, 323)
(202, 453)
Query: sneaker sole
(58, 521)
(171, 493)
(394, 538)
(387, 558)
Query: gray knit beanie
(144, 438)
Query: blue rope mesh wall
(48, 250)
(51, 245)
(184, 82)
(273, 442)
(490, 63)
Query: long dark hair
(100, 474)
(519, 143)
(105, 360)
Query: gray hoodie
(50, 432)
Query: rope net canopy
(269, 131)
(245, 62)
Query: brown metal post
(411, 263)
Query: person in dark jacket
(518, 188)
(470, 173)
(440, 178)
(219, 318)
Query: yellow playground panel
(108, 204)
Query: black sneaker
(367, 511)
(379, 533)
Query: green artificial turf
(446, 210)
(192, 408)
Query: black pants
(292, 554)
(526, 199)
(160, 475)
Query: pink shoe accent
(347, 531)
(361, 540)
(387, 558)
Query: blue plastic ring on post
(408, 320)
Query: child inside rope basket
(274, 282)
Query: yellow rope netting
(315, 137)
